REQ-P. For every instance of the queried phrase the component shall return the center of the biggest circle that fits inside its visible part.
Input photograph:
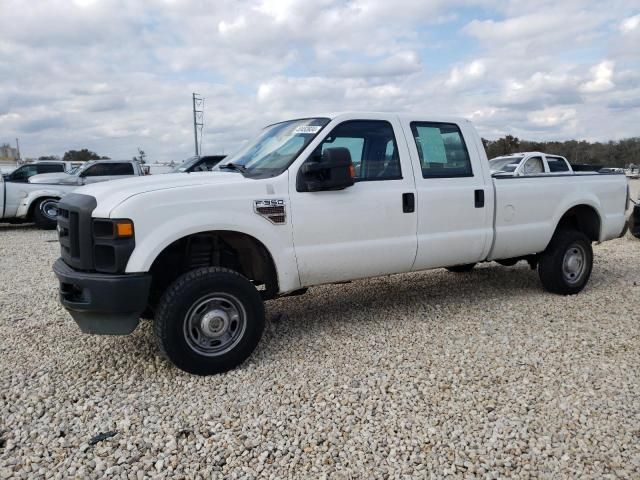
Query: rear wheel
(45, 213)
(565, 266)
(461, 268)
(209, 320)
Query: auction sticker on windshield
(308, 129)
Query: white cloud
(113, 75)
(602, 78)
(552, 117)
(469, 73)
(630, 24)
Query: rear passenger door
(454, 221)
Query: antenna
(198, 120)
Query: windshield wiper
(233, 166)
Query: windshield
(186, 164)
(505, 164)
(275, 148)
(74, 170)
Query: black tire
(147, 314)
(461, 268)
(557, 272)
(42, 216)
(634, 221)
(192, 314)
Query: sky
(117, 75)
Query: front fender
(152, 237)
(25, 204)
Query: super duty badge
(272, 210)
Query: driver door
(367, 229)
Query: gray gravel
(420, 375)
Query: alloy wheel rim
(49, 209)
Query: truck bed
(527, 209)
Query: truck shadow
(9, 227)
(404, 292)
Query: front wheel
(565, 266)
(45, 213)
(209, 320)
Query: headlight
(113, 243)
(107, 228)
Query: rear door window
(557, 164)
(119, 168)
(441, 150)
(533, 166)
(97, 170)
(51, 168)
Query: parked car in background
(198, 164)
(92, 172)
(37, 200)
(28, 202)
(26, 171)
(530, 163)
(313, 201)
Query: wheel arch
(238, 251)
(582, 217)
(30, 204)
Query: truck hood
(54, 179)
(110, 194)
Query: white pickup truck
(529, 163)
(313, 201)
(37, 200)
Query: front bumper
(101, 303)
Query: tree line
(621, 153)
(85, 155)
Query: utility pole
(18, 151)
(198, 119)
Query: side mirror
(334, 171)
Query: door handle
(408, 203)
(479, 198)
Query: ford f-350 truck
(313, 201)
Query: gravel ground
(420, 375)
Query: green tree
(83, 155)
(619, 153)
